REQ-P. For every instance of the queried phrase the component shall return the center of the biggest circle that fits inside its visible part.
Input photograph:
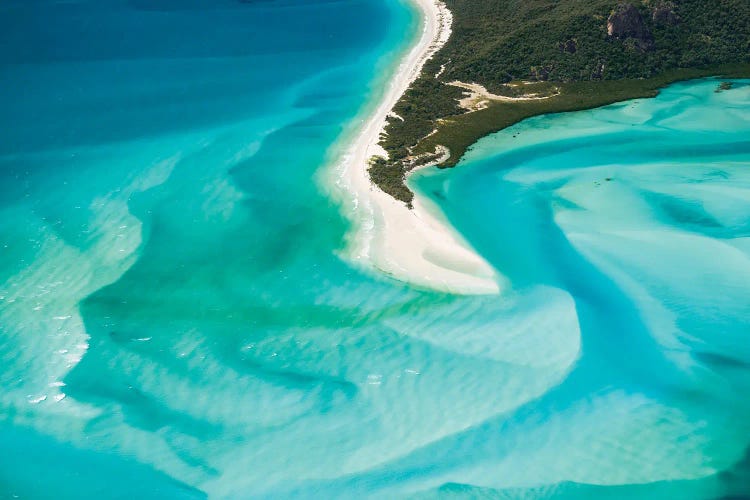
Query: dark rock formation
(664, 13)
(724, 86)
(626, 22)
(569, 46)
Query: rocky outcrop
(569, 46)
(626, 22)
(664, 14)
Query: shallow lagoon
(640, 213)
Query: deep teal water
(174, 320)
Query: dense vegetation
(389, 176)
(495, 41)
(595, 51)
(426, 100)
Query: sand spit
(417, 246)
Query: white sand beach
(417, 246)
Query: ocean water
(175, 321)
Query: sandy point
(417, 246)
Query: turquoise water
(639, 213)
(174, 320)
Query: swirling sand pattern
(175, 321)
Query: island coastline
(506, 62)
(423, 121)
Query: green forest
(595, 52)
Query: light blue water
(174, 321)
(641, 213)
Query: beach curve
(415, 245)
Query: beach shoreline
(417, 246)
